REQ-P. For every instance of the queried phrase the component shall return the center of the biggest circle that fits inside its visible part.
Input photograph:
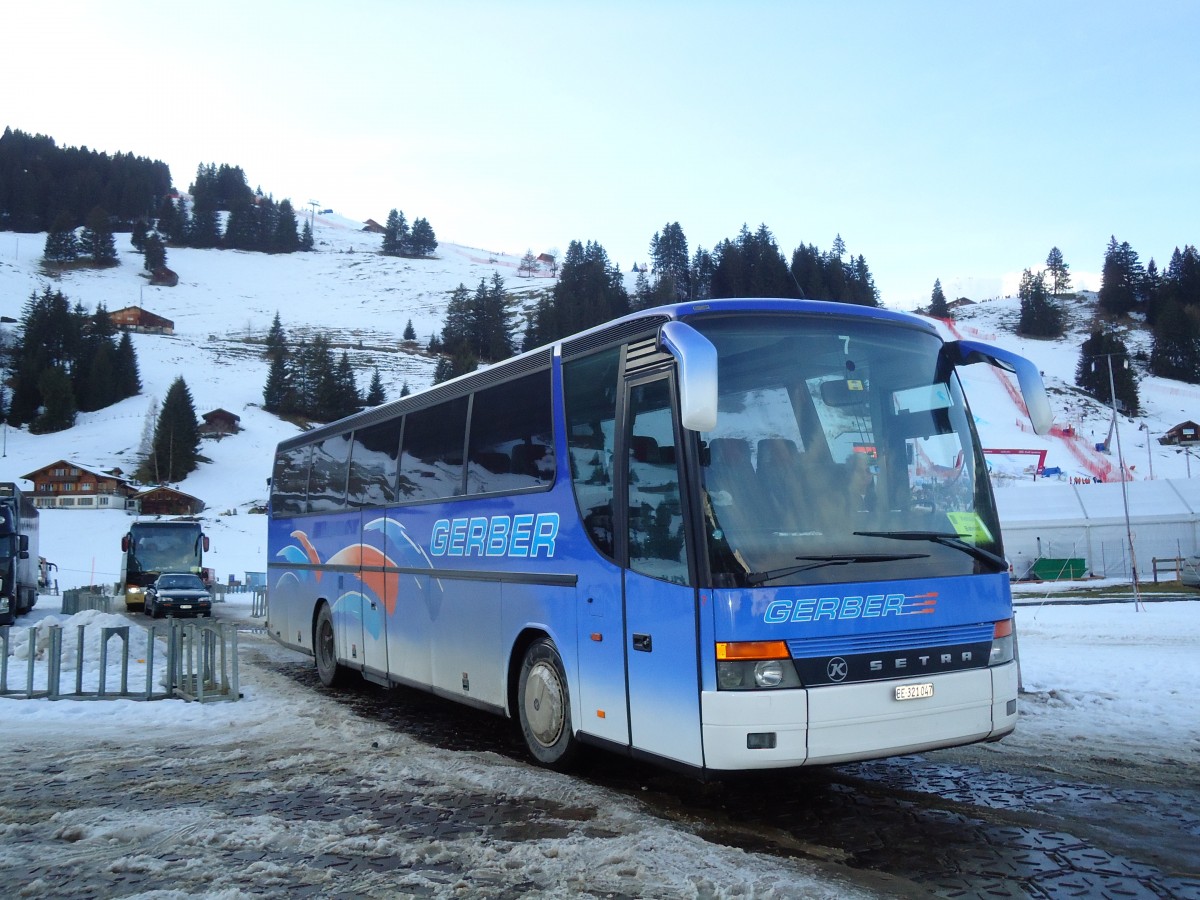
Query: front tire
(331, 673)
(544, 707)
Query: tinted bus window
(656, 540)
(289, 481)
(374, 464)
(327, 479)
(431, 465)
(590, 395)
(512, 439)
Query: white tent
(1055, 520)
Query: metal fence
(78, 599)
(186, 660)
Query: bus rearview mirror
(1033, 391)
(697, 364)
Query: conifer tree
(529, 265)
(164, 219)
(306, 237)
(1092, 370)
(154, 253)
(99, 388)
(395, 234)
(276, 342)
(1059, 272)
(670, 265)
(126, 375)
(241, 228)
(590, 291)
(410, 333)
(178, 223)
(1176, 345)
(375, 393)
(58, 402)
(61, 245)
(422, 241)
(175, 450)
(50, 337)
(938, 307)
(277, 391)
(285, 238)
(97, 241)
(204, 231)
(1120, 279)
(137, 237)
(1040, 316)
(701, 274)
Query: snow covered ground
(1105, 681)
(1111, 691)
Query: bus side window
(656, 540)
(511, 440)
(327, 480)
(289, 482)
(374, 464)
(431, 466)
(590, 395)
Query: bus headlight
(768, 674)
(755, 665)
(1003, 643)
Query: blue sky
(948, 140)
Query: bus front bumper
(851, 722)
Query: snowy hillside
(225, 301)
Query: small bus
(720, 536)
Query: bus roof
(606, 334)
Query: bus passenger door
(660, 602)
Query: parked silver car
(179, 594)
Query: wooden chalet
(67, 485)
(1183, 434)
(166, 501)
(373, 227)
(142, 321)
(219, 423)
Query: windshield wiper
(834, 559)
(946, 539)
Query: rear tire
(331, 673)
(544, 707)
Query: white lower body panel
(844, 723)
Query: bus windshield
(843, 452)
(165, 548)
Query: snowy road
(301, 792)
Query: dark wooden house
(219, 423)
(166, 501)
(142, 321)
(1183, 434)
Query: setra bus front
(151, 548)
(857, 596)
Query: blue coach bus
(725, 535)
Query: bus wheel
(328, 670)
(544, 707)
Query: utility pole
(1112, 391)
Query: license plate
(914, 691)
(189, 606)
